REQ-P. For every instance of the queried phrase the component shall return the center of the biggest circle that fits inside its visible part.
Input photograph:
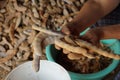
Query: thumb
(94, 40)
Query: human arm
(91, 11)
(94, 35)
(111, 31)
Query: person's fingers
(66, 51)
(96, 43)
(71, 29)
(93, 40)
(91, 37)
(36, 62)
(57, 47)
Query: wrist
(99, 32)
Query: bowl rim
(98, 74)
(30, 62)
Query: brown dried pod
(97, 50)
(19, 8)
(72, 48)
(10, 54)
(5, 67)
(11, 32)
(37, 43)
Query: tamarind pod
(11, 32)
(8, 57)
(73, 56)
(36, 62)
(46, 31)
(5, 67)
(57, 47)
(66, 51)
(72, 48)
(18, 20)
(19, 8)
(37, 43)
(69, 40)
(97, 50)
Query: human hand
(69, 48)
(93, 36)
(72, 28)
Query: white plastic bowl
(48, 71)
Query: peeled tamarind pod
(66, 51)
(97, 50)
(72, 48)
(74, 56)
(57, 47)
(69, 40)
(46, 31)
(90, 51)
